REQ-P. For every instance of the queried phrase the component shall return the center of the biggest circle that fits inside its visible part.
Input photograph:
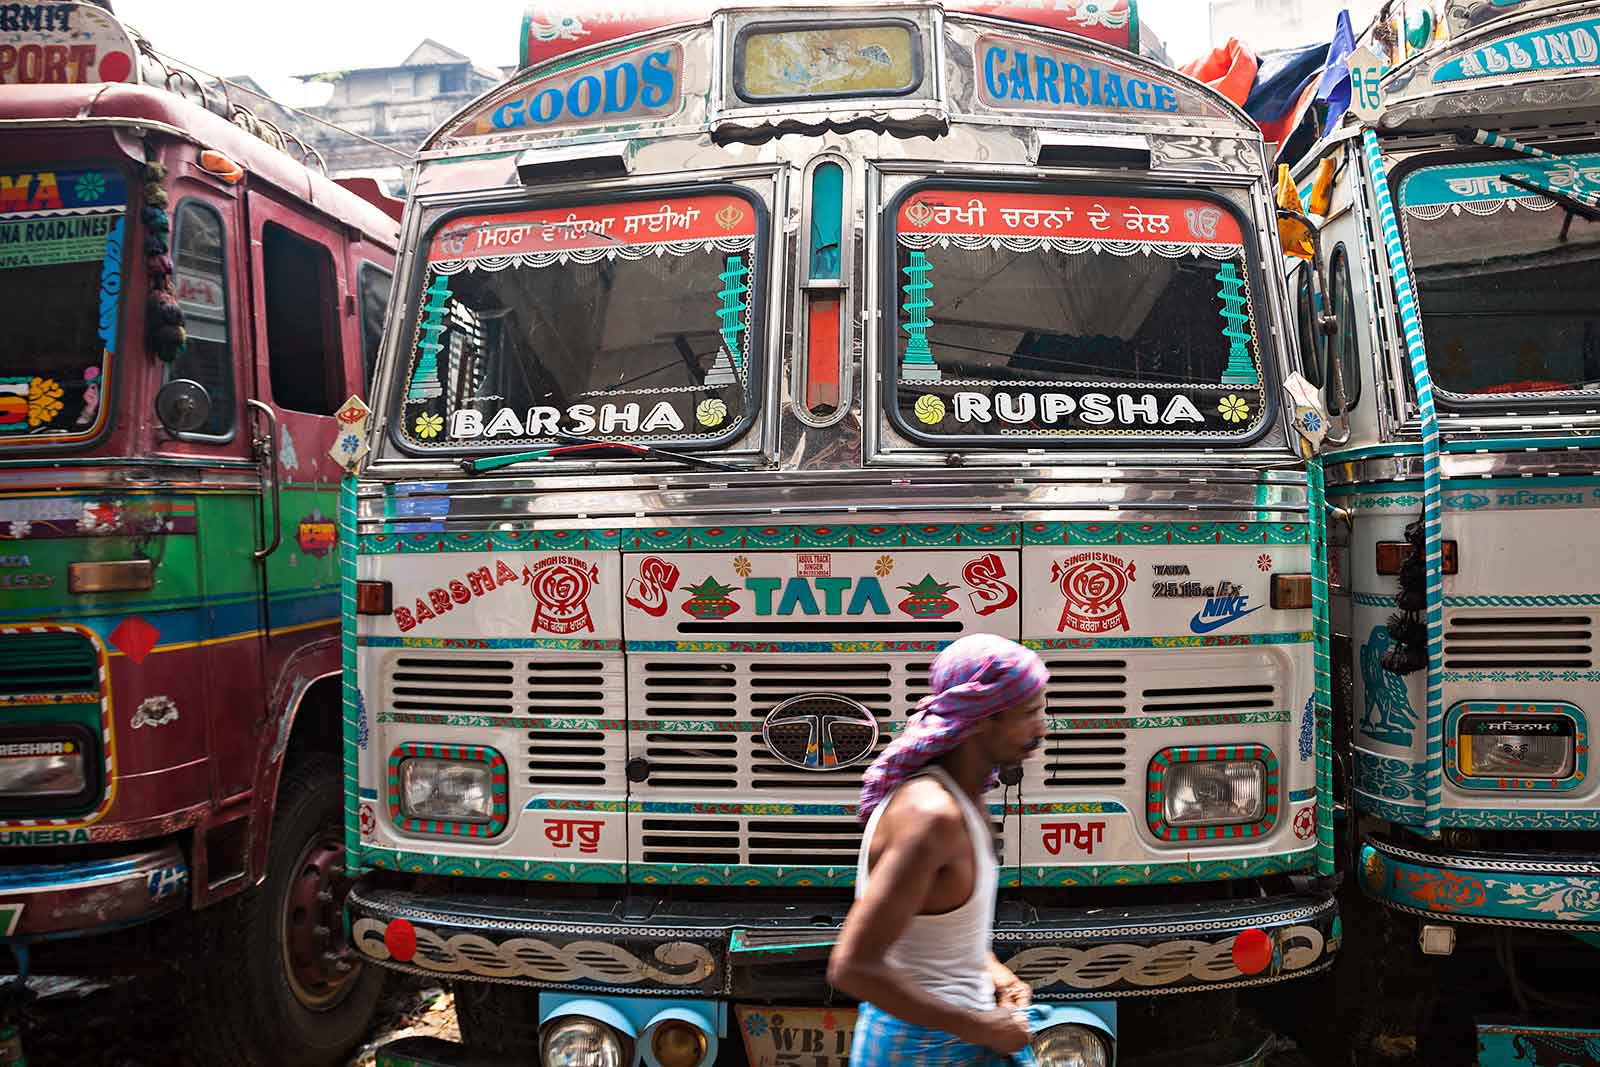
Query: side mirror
(183, 406)
(1326, 325)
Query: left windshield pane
(60, 286)
(629, 320)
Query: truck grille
(1519, 641)
(37, 663)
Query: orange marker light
(1291, 592)
(374, 598)
(214, 162)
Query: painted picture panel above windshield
(60, 290)
(1072, 317)
(623, 321)
(1507, 266)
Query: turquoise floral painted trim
(1510, 711)
(492, 540)
(1472, 895)
(810, 647)
(1562, 600)
(479, 644)
(1169, 873)
(689, 807)
(1522, 819)
(1166, 533)
(1522, 676)
(898, 535)
(1389, 778)
(1162, 722)
(1388, 810)
(741, 874)
(494, 867)
(1053, 644)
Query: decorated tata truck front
(745, 364)
(1465, 599)
(174, 341)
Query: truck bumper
(42, 902)
(755, 950)
(1536, 891)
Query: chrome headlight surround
(577, 1041)
(1502, 746)
(432, 758)
(1231, 764)
(48, 768)
(1070, 1045)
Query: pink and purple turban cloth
(973, 679)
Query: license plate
(797, 1037)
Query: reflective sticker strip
(347, 659)
(1432, 503)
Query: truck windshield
(1506, 277)
(628, 320)
(1066, 318)
(60, 287)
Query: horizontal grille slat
(32, 664)
(1519, 641)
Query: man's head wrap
(974, 679)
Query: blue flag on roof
(1334, 88)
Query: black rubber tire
(239, 1008)
(497, 1018)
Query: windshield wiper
(1578, 204)
(579, 445)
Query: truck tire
(497, 1018)
(272, 979)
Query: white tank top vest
(948, 955)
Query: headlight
(1493, 746)
(1070, 1046)
(575, 1042)
(446, 789)
(675, 1043)
(42, 769)
(1215, 792)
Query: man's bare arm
(897, 891)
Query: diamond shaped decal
(134, 638)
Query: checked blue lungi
(881, 1040)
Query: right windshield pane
(1506, 279)
(1072, 318)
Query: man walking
(915, 946)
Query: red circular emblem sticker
(560, 587)
(400, 938)
(1252, 951)
(1093, 584)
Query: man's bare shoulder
(922, 813)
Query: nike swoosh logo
(1205, 626)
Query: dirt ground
(129, 1023)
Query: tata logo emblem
(817, 732)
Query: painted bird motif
(1389, 717)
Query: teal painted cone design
(918, 364)
(730, 363)
(425, 378)
(1241, 371)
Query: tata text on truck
(1464, 246)
(748, 358)
(186, 307)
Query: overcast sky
(290, 37)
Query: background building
(396, 106)
(1268, 24)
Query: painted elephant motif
(1389, 717)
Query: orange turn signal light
(1392, 555)
(374, 598)
(214, 162)
(111, 576)
(1291, 592)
